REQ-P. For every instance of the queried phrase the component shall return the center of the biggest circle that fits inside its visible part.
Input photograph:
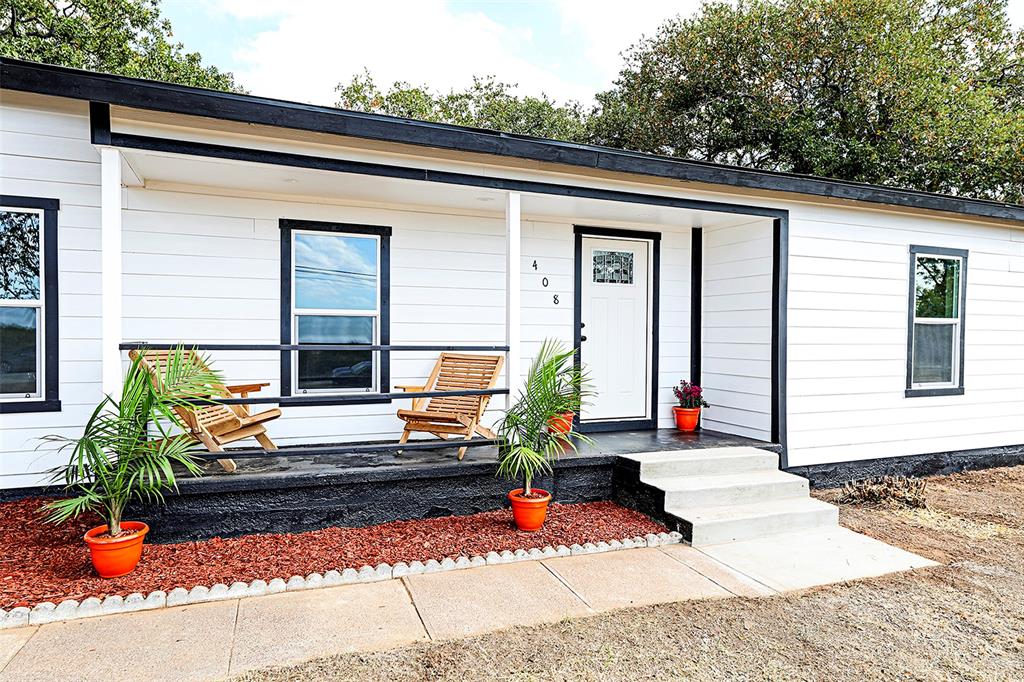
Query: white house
(855, 326)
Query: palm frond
(554, 385)
(115, 460)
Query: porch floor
(339, 458)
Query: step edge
(747, 511)
(694, 453)
(713, 481)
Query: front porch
(359, 484)
(371, 269)
(333, 287)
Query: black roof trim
(154, 95)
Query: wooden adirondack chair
(457, 415)
(217, 425)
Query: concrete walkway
(219, 639)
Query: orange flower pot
(687, 418)
(529, 512)
(113, 557)
(561, 423)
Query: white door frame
(653, 283)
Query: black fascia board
(178, 99)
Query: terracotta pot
(561, 422)
(113, 557)
(529, 512)
(686, 418)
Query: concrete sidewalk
(215, 640)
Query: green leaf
(126, 37)
(553, 385)
(115, 460)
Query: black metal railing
(333, 399)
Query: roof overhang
(248, 109)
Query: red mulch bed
(45, 563)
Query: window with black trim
(28, 304)
(935, 344)
(335, 280)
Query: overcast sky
(300, 49)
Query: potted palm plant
(115, 462)
(691, 400)
(534, 433)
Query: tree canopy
(923, 94)
(124, 37)
(487, 103)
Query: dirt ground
(961, 621)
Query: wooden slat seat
(424, 416)
(453, 415)
(216, 425)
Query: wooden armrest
(411, 389)
(247, 388)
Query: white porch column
(513, 281)
(110, 268)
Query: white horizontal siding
(737, 328)
(848, 339)
(673, 318)
(45, 153)
(447, 287)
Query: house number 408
(544, 283)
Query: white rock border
(70, 609)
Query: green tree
(125, 37)
(923, 94)
(487, 103)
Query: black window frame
(924, 391)
(49, 400)
(287, 226)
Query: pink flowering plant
(690, 395)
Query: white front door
(616, 336)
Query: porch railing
(337, 399)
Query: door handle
(583, 338)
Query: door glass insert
(613, 267)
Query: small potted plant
(115, 462)
(691, 400)
(535, 432)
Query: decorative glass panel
(933, 353)
(19, 350)
(613, 267)
(938, 287)
(334, 369)
(19, 256)
(335, 272)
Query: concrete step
(714, 525)
(706, 462)
(728, 489)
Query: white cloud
(605, 29)
(1015, 11)
(316, 44)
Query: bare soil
(960, 621)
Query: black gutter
(144, 94)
